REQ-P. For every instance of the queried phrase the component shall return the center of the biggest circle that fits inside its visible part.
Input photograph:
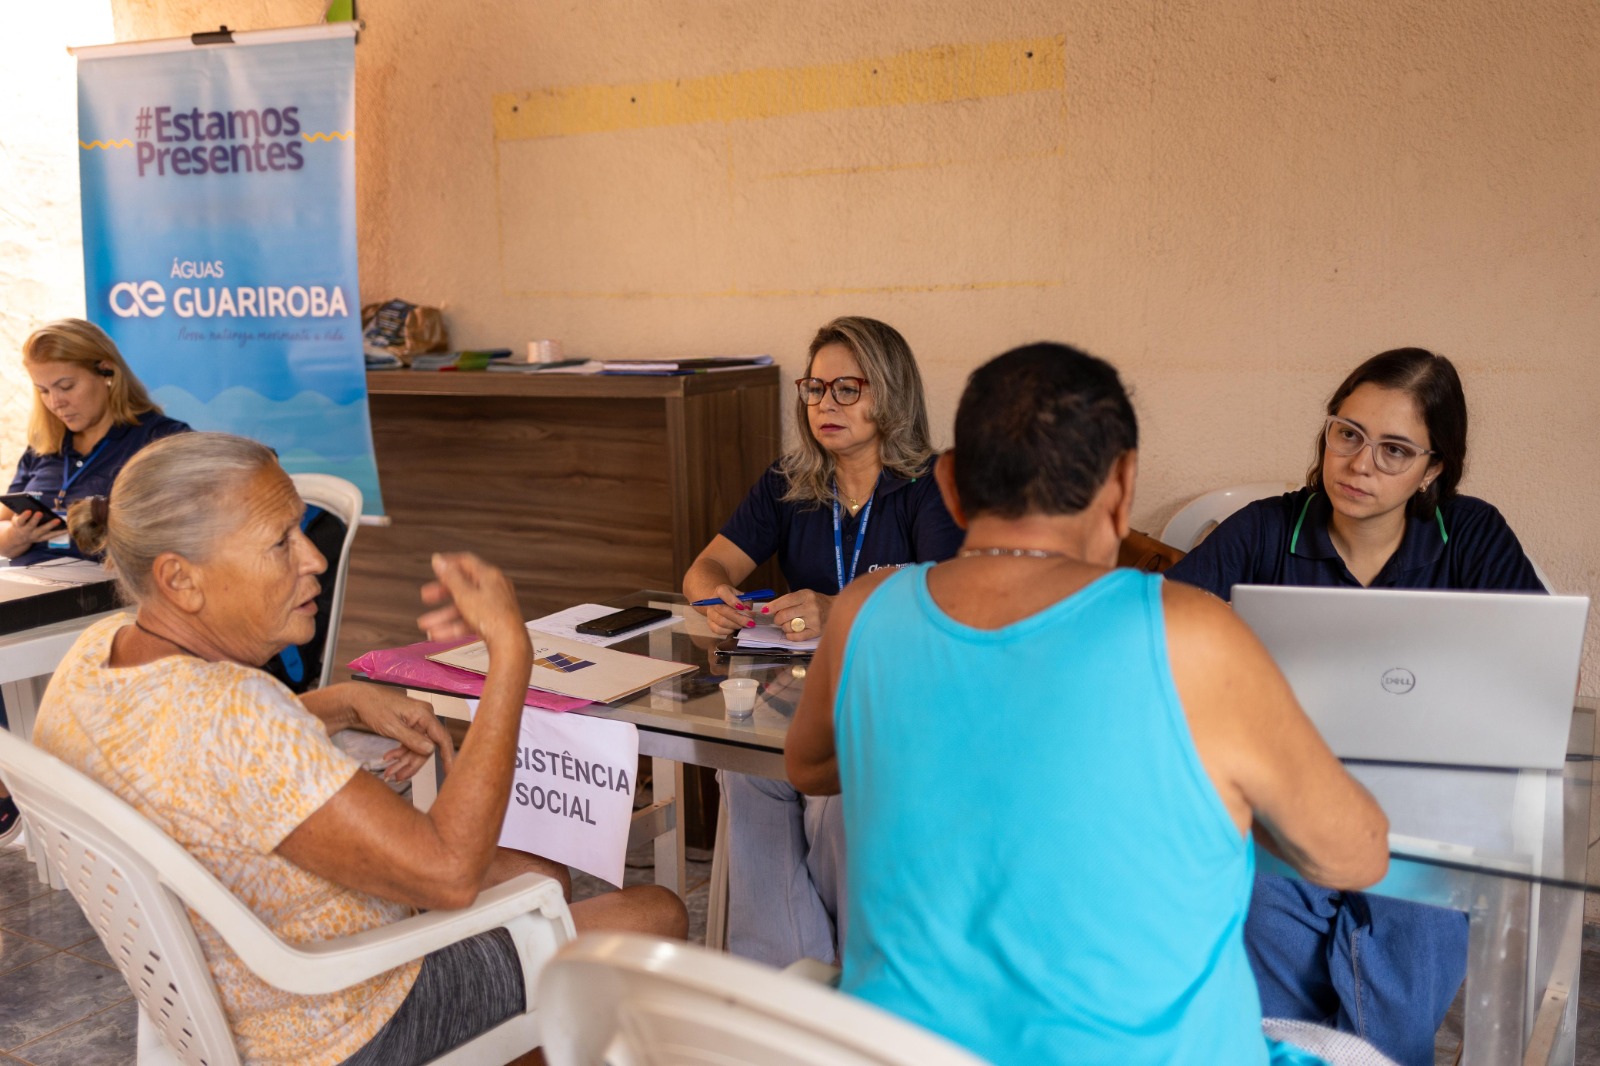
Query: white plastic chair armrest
(331, 965)
(814, 970)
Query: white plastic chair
(628, 1000)
(343, 500)
(1201, 515)
(134, 884)
(1332, 1046)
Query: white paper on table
(572, 793)
(570, 668)
(770, 636)
(57, 572)
(561, 624)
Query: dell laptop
(1459, 678)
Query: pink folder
(410, 666)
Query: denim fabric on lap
(1040, 868)
(1385, 969)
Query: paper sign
(219, 237)
(572, 794)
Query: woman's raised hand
(477, 600)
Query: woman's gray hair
(899, 410)
(173, 496)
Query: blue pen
(758, 594)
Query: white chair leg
(150, 1048)
(22, 706)
(717, 890)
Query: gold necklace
(850, 501)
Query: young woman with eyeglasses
(854, 493)
(1380, 510)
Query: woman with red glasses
(854, 494)
(1380, 510)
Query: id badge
(62, 539)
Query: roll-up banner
(219, 235)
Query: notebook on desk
(1459, 678)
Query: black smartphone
(610, 625)
(691, 686)
(23, 502)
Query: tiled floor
(63, 1004)
(61, 1000)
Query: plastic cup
(544, 351)
(739, 696)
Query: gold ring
(797, 624)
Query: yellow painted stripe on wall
(929, 76)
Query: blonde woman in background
(90, 416)
(853, 495)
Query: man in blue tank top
(1051, 769)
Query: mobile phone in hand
(20, 503)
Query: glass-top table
(1507, 847)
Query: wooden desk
(578, 487)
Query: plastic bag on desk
(411, 666)
(400, 330)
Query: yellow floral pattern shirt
(227, 762)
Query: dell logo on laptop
(1398, 681)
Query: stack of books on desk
(560, 366)
(466, 360)
(673, 367)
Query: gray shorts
(463, 990)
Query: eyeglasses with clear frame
(1390, 456)
(846, 391)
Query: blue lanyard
(838, 537)
(68, 478)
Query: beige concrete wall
(41, 245)
(1235, 202)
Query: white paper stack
(769, 636)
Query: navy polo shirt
(1466, 545)
(908, 524)
(91, 474)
